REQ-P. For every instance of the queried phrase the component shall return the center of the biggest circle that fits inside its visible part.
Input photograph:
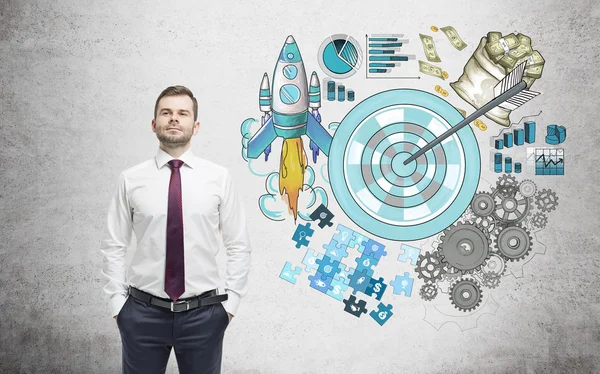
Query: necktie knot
(175, 164)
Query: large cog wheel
(514, 243)
(510, 206)
(465, 247)
(430, 267)
(482, 204)
(466, 295)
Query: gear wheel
(495, 264)
(488, 224)
(468, 214)
(428, 291)
(465, 247)
(514, 243)
(466, 295)
(510, 206)
(490, 279)
(546, 200)
(430, 267)
(482, 204)
(507, 182)
(527, 188)
(539, 220)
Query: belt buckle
(186, 302)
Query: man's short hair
(175, 91)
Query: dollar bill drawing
(430, 69)
(503, 45)
(454, 38)
(429, 48)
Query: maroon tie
(174, 272)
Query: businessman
(180, 207)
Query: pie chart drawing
(340, 56)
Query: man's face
(174, 124)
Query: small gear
(485, 223)
(539, 220)
(490, 279)
(430, 267)
(510, 207)
(495, 264)
(464, 247)
(527, 188)
(466, 295)
(507, 181)
(482, 204)
(514, 243)
(428, 291)
(468, 214)
(546, 200)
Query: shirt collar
(162, 158)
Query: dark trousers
(148, 333)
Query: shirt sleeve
(234, 230)
(117, 236)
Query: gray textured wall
(78, 80)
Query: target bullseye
(373, 186)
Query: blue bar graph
(530, 132)
(508, 165)
(508, 140)
(519, 135)
(498, 162)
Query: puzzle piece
(355, 308)
(409, 252)
(310, 260)
(383, 313)
(344, 235)
(354, 243)
(334, 251)
(323, 215)
(376, 249)
(328, 267)
(366, 263)
(359, 281)
(337, 289)
(403, 284)
(301, 234)
(377, 287)
(289, 274)
(344, 275)
(319, 283)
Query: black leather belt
(181, 305)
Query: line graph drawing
(546, 161)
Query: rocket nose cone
(290, 40)
(314, 79)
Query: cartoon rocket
(286, 112)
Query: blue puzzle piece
(319, 283)
(377, 287)
(344, 275)
(323, 215)
(376, 249)
(357, 242)
(289, 274)
(359, 281)
(301, 234)
(328, 267)
(403, 284)
(344, 235)
(366, 263)
(383, 313)
(337, 289)
(355, 308)
(310, 260)
(334, 251)
(409, 252)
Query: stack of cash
(511, 50)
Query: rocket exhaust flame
(292, 166)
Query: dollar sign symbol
(377, 287)
(366, 262)
(337, 290)
(382, 315)
(344, 236)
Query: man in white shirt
(179, 206)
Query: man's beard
(175, 139)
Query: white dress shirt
(211, 208)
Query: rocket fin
(317, 133)
(261, 140)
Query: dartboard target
(373, 186)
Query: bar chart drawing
(385, 57)
(546, 161)
(336, 91)
(517, 137)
